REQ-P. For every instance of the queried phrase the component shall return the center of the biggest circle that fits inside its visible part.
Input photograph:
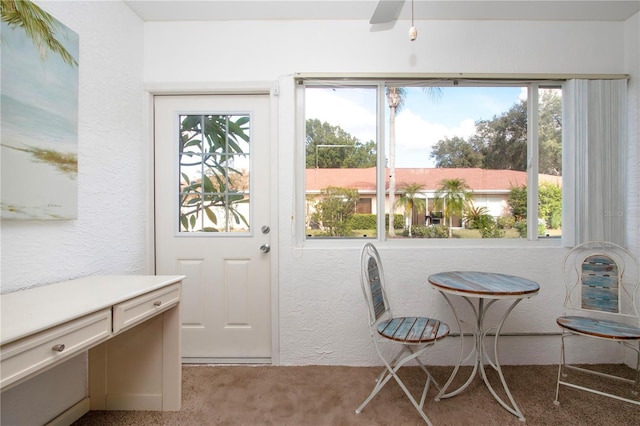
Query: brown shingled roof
(479, 180)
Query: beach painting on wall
(39, 115)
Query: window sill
(440, 243)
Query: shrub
(506, 222)
(473, 216)
(550, 204)
(491, 231)
(439, 231)
(422, 231)
(555, 221)
(488, 227)
(398, 221)
(363, 221)
(521, 226)
(335, 209)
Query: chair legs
(391, 370)
(635, 384)
(562, 363)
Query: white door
(212, 221)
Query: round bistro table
(483, 288)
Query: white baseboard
(129, 402)
(72, 414)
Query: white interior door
(212, 221)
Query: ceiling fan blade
(386, 11)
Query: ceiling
(215, 10)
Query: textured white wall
(272, 49)
(322, 317)
(109, 235)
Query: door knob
(265, 248)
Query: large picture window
(341, 161)
(446, 159)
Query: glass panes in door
(214, 177)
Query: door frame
(260, 88)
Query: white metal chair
(414, 335)
(602, 281)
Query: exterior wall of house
(497, 205)
(311, 292)
(109, 235)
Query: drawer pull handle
(157, 303)
(58, 348)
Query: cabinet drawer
(136, 310)
(34, 353)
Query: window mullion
(532, 161)
(381, 172)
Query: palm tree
(409, 201)
(395, 98)
(452, 196)
(39, 26)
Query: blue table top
(489, 284)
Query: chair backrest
(372, 283)
(602, 277)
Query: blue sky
(424, 119)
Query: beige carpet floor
(327, 395)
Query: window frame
(532, 85)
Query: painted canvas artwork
(39, 114)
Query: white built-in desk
(130, 324)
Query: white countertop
(25, 312)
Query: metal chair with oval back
(413, 334)
(602, 281)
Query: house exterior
(489, 188)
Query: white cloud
(329, 106)
(523, 94)
(415, 138)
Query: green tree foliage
(501, 143)
(518, 202)
(457, 153)
(504, 139)
(39, 26)
(354, 155)
(550, 133)
(334, 210)
(550, 204)
(211, 140)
